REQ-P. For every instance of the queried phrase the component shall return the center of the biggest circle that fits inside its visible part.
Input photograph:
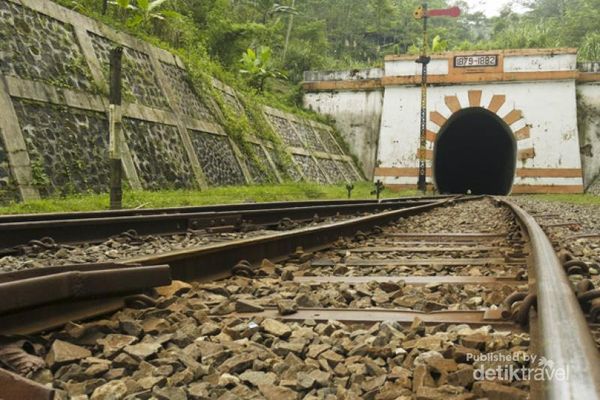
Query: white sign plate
(476, 61)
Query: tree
(346, 34)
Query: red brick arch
(511, 118)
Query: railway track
(414, 302)
(17, 231)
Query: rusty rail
(31, 292)
(215, 261)
(44, 271)
(564, 335)
(197, 209)
(81, 227)
(15, 387)
(30, 303)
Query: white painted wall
(548, 107)
(357, 116)
(410, 67)
(589, 129)
(558, 62)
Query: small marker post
(379, 186)
(349, 189)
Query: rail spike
(517, 306)
(243, 268)
(595, 310)
(576, 267)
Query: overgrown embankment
(183, 128)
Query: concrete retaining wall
(588, 104)
(356, 113)
(54, 127)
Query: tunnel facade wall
(534, 91)
(551, 122)
(54, 123)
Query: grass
(233, 194)
(568, 198)
(217, 195)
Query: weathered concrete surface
(357, 116)
(588, 106)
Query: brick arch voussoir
(454, 105)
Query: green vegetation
(569, 198)
(332, 34)
(258, 67)
(221, 195)
(262, 47)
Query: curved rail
(565, 337)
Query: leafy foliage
(335, 34)
(590, 48)
(438, 45)
(258, 67)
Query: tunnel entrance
(475, 150)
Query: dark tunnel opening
(475, 150)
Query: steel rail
(44, 271)
(28, 305)
(216, 260)
(16, 387)
(194, 209)
(14, 234)
(55, 315)
(564, 335)
(32, 292)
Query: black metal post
(379, 186)
(349, 188)
(116, 169)
(423, 60)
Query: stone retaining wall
(54, 126)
